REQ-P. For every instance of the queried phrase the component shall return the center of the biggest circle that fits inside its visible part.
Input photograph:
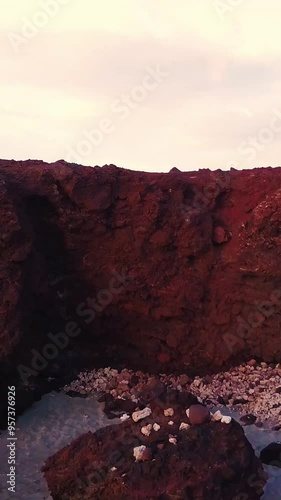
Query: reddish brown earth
(209, 461)
(200, 252)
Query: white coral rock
(156, 427)
(184, 426)
(140, 414)
(169, 412)
(226, 420)
(172, 440)
(146, 430)
(141, 453)
(124, 417)
(217, 416)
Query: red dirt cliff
(196, 255)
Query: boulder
(271, 454)
(212, 460)
(198, 414)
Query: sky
(146, 85)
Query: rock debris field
(252, 389)
(164, 415)
(249, 393)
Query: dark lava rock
(248, 419)
(208, 401)
(115, 407)
(222, 400)
(271, 455)
(240, 401)
(153, 389)
(75, 394)
(211, 461)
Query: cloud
(223, 83)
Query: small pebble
(146, 430)
(173, 440)
(169, 412)
(142, 453)
(124, 417)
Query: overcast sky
(146, 85)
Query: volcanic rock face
(174, 460)
(271, 455)
(170, 272)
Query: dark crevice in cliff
(46, 261)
